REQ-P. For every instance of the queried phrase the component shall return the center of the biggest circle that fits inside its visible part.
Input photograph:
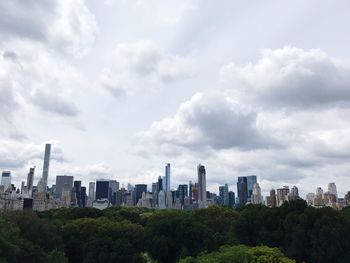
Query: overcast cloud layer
(122, 87)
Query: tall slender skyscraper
(167, 177)
(30, 179)
(46, 166)
(202, 188)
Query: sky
(122, 87)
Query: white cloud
(63, 25)
(206, 122)
(136, 63)
(291, 77)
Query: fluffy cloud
(207, 122)
(36, 36)
(139, 62)
(45, 81)
(17, 155)
(291, 77)
(63, 25)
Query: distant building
(182, 192)
(83, 196)
(242, 190)
(294, 193)
(102, 189)
(43, 184)
(92, 190)
(251, 180)
(139, 189)
(167, 177)
(161, 199)
(77, 192)
(202, 188)
(6, 180)
(273, 199)
(231, 198)
(30, 179)
(223, 195)
(310, 198)
(332, 189)
(282, 195)
(62, 181)
(256, 195)
(113, 188)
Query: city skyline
(244, 89)
(247, 186)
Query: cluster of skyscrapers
(102, 193)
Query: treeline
(217, 234)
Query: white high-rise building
(43, 180)
(161, 199)
(256, 195)
(332, 189)
(167, 178)
(202, 186)
(6, 179)
(92, 191)
(294, 193)
(310, 198)
(319, 191)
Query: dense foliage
(217, 234)
(241, 254)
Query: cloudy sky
(121, 87)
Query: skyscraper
(202, 187)
(102, 189)
(182, 192)
(63, 181)
(30, 179)
(77, 192)
(332, 189)
(83, 196)
(6, 179)
(139, 189)
(251, 180)
(167, 177)
(43, 185)
(92, 191)
(231, 198)
(242, 190)
(273, 200)
(282, 195)
(256, 196)
(294, 193)
(113, 188)
(224, 196)
(160, 184)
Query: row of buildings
(67, 192)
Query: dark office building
(160, 184)
(139, 189)
(77, 191)
(102, 189)
(83, 196)
(242, 190)
(231, 198)
(182, 192)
